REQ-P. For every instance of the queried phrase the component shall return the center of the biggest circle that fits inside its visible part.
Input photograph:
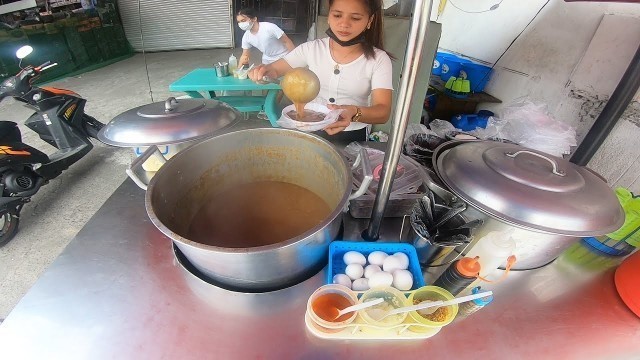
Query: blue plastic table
(201, 83)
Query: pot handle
(554, 170)
(362, 160)
(168, 105)
(136, 165)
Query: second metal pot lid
(530, 189)
(168, 122)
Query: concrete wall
(541, 63)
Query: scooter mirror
(24, 51)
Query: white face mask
(245, 25)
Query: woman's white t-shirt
(267, 40)
(354, 83)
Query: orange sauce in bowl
(327, 306)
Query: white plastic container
(493, 250)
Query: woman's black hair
(373, 36)
(251, 13)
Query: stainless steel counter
(116, 292)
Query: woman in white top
(264, 36)
(353, 68)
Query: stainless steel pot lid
(530, 189)
(168, 122)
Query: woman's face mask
(245, 25)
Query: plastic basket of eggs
(361, 266)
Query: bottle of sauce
(233, 65)
(459, 275)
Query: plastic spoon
(434, 305)
(356, 307)
(431, 309)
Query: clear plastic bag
(532, 126)
(441, 128)
(330, 117)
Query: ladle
(301, 86)
(356, 307)
(429, 307)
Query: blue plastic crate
(477, 74)
(337, 249)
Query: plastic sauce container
(459, 275)
(435, 321)
(327, 297)
(493, 250)
(393, 299)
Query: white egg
(380, 279)
(404, 260)
(361, 284)
(391, 264)
(354, 257)
(370, 270)
(377, 257)
(402, 280)
(342, 279)
(354, 271)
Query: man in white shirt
(264, 36)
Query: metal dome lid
(530, 189)
(168, 122)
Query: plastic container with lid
(493, 250)
(407, 178)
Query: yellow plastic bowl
(432, 293)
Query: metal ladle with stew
(301, 86)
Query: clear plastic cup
(435, 321)
(393, 299)
(332, 289)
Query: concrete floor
(62, 207)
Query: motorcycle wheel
(91, 125)
(9, 221)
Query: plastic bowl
(331, 326)
(432, 293)
(393, 299)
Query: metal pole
(412, 62)
(617, 104)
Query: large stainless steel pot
(175, 194)
(546, 201)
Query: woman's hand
(345, 118)
(259, 72)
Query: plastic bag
(442, 128)
(330, 117)
(353, 149)
(532, 126)
(419, 143)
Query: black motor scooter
(59, 120)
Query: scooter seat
(9, 132)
